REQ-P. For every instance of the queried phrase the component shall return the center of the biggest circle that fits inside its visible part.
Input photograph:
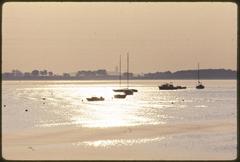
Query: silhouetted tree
(129, 74)
(43, 72)
(7, 75)
(85, 73)
(78, 74)
(50, 73)
(101, 72)
(35, 73)
(17, 73)
(66, 75)
(27, 74)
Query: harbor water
(185, 124)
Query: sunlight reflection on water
(66, 110)
(66, 103)
(109, 113)
(119, 142)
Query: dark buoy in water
(4, 105)
(172, 102)
(182, 99)
(26, 110)
(44, 98)
(31, 148)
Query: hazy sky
(67, 37)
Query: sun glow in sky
(72, 36)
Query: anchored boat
(170, 86)
(200, 85)
(127, 90)
(96, 99)
(120, 96)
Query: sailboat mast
(198, 72)
(127, 68)
(120, 71)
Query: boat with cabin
(170, 86)
(96, 99)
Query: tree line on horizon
(103, 74)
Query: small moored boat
(200, 85)
(96, 99)
(134, 90)
(120, 96)
(170, 86)
(127, 90)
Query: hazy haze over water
(66, 37)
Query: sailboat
(119, 90)
(200, 85)
(133, 90)
(126, 91)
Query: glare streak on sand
(119, 142)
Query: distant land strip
(102, 74)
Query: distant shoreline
(107, 79)
(102, 74)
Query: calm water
(65, 104)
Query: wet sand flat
(123, 143)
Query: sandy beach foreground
(160, 142)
